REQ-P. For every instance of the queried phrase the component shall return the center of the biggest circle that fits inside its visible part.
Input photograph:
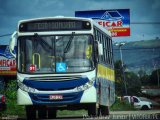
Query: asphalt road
(119, 115)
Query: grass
(71, 113)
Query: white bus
(63, 63)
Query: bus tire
(30, 112)
(42, 112)
(92, 110)
(52, 113)
(103, 110)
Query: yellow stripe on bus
(105, 72)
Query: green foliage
(133, 82)
(11, 98)
(10, 91)
(120, 105)
(154, 77)
(145, 80)
(118, 78)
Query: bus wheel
(42, 112)
(92, 110)
(52, 112)
(103, 110)
(30, 112)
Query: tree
(141, 73)
(133, 82)
(120, 83)
(119, 86)
(154, 77)
(144, 78)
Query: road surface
(114, 115)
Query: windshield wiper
(43, 42)
(69, 43)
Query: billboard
(117, 21)
(7, 61)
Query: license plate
(55, 97)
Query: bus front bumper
(87, 96)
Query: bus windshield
(55, 54)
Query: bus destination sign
(54, 25)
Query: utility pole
(123, 74)
(155, 67)
(158, 77)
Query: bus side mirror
(100, 49)
(13, 43)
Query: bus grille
(45, 98)
(55, 83)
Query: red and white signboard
(7, 66)
(7, 62)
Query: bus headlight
(85, 86)
(25, 88)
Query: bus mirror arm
(13, 43)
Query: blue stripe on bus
(55, 85)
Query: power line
(138, 48)
(6, 35)
(144, 22)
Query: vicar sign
(117, 21)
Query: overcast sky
(141, 11)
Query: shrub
(121, 105)
(10, 93)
